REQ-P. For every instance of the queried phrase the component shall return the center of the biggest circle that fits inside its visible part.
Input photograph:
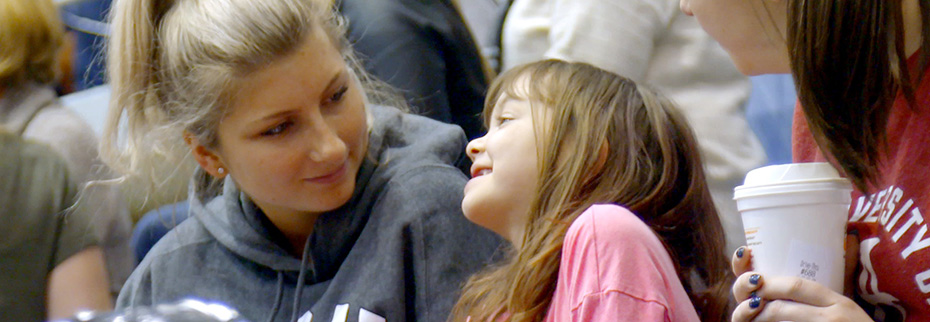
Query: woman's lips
(331, 177)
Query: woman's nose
(327, 146)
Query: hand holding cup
(783, 298)
(793, 268)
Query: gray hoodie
(399, 250)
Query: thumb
(852, 261)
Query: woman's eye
(504, 119)
(338, 95)
(278, 129)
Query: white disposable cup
(794, 217)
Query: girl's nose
(474, 148)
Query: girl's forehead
(507, 102)
(517, 89)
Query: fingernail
(754, 302)
(739, 252)
(754, 279)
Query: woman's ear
(206, 157)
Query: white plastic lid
(792, 173)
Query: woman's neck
(294, 225)
(912, 26)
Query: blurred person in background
(426, 51)
(31, 35)
(85, 22)
(51, 264)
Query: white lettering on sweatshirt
(341, 314)
(899, 219)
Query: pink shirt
(614, 268)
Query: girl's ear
(208, 160)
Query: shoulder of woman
(186, 243)
(34, 164)
(404, 140)
(68, 134)
(64, 124)
(439, 185)
(391, 122)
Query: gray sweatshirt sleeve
(445, 249)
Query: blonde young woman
(598, 186)
(309, 203)
(863, 78)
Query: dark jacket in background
(424, 49)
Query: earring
(221, 170)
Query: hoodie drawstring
(278, 297)
(301, 280)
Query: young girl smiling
(598, 186)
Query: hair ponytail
(149, 155)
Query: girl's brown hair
(652, 167)
(849, 62)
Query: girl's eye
(503, 119)
(338, 95)
(277, 130)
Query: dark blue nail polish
(754, 279)
(739, 252)
(754, 302)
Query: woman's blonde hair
(652, 168)
(31, 34)
(174, 66)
